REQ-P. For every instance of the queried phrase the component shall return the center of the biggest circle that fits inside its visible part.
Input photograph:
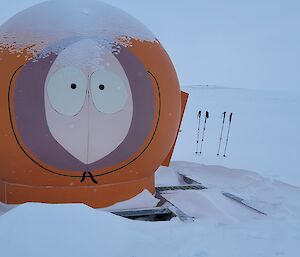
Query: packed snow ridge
(222, 226)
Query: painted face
(92, 109)
(88, 101)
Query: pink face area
(88, 101)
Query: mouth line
(88, 174)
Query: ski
(220, 141)
(227, 137)
(242, 201)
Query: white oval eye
(66, 90)
(109, 92)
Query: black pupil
(101, 87)
(73, 86)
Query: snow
(67, 21)
(276, 198)
(163, 177)
(222, 227)
(143, 200)
(5, 208)
(65, 230)
(264, 134)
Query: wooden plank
(129, 213)
(189, 180)
(182, 187)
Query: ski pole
(198, 132)
(204, 128)
(230, 118)
(224, 115)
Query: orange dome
(90, 105)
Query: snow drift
(222, 227)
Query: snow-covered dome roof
(50, 22)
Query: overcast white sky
(232, 43)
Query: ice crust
(52, 25)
